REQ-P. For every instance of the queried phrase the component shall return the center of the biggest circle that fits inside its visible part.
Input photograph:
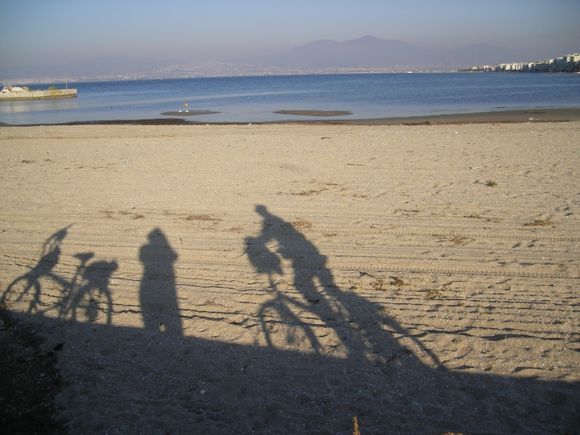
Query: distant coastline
(346, 71)
(281, 73)
(569, 63)
(365, 55)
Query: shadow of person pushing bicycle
(44, 291)
(374, 365)
(358, 323)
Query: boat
(11, 93)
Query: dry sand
(287, 278)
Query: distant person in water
(158, 295)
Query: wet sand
(189, 113)
(507, 116)
(287, 278)
(503, 116)
(314, 112)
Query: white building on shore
(568, 63)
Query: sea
(256, 99)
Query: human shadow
(359, 324)
(44, 291)
(157, 293)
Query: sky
(38, 33)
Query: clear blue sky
(36, 32)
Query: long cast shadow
(394, 378)
(157, 293)
(358, 323)
(204, 386)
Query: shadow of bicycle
(86, 296)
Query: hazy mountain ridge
(367, 53)
(372, 52)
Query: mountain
(365, 52)
(323, 56)
(372, 52)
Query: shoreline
(507, 116)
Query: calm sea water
(254, 99)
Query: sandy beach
(288, 278)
